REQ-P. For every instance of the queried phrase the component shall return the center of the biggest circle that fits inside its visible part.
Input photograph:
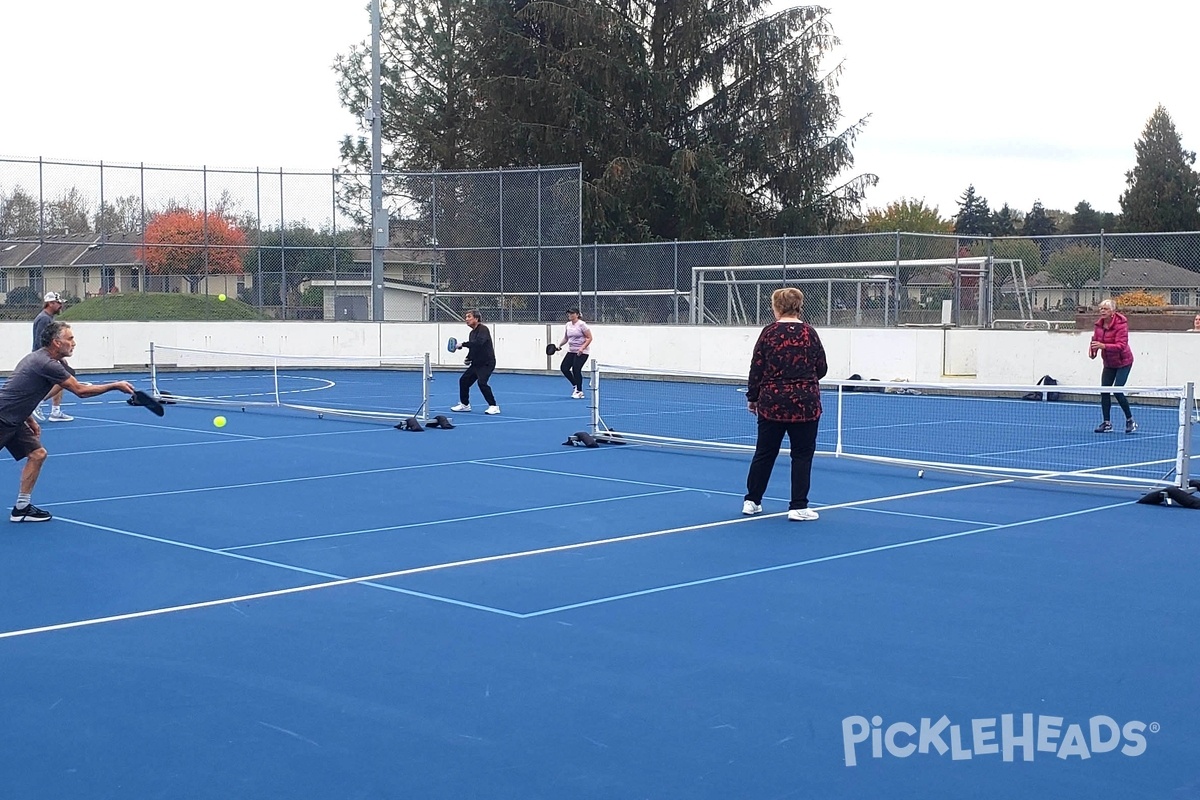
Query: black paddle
(140, 398)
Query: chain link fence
(159, 242)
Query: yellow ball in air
(219, 422)
(221, 297)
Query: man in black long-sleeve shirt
(480, 364)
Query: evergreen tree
(1085, 219)
(974, 217)
(426, 81)
(1037, 222)
(1003, 223)
(692, 118)
(1163, 191)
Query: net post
(1183, 463)
(426, 376)
(837, 448)
(275, 377)
(595, 397)
(153, 374)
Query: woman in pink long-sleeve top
(1110, 339)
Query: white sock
(22, 499)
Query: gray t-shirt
(39, 324)
(33, 378)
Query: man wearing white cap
(52, 304)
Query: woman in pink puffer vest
(1110, 338)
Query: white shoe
(750, 508)
(491, 410)
(802, 515)
(461, 407)
(38, 415)
(57, 415)
(577, 395)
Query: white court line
(245, 437)
(368, 580)
(912, 515)
(238, 438)
(433, 522)
(810, 561)
(298, 479)
(126, 423)
(500, 462)
(849, 504)
(371, 580)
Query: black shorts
(18, 440)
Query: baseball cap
(52, 297)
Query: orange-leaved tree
(192, 244)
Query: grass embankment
(145, 306)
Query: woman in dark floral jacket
(784, 392)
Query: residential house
(410, 272)
(1175, 285)
(90, 264)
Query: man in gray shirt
(35, 375)
(51, 306)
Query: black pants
(1114, 376)
(476, 372)
(802, 439)
(572, 369)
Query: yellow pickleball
(221, 297)
(219, 422)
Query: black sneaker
(1130, 425)
(1104, 427)
(29, 513)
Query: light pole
(379, 219)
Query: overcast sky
(1044, 101)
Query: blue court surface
(292, 607)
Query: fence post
(333, 177)
(896, 289)
(987, 292)
(41, 205)
(103, 226)
(142, 199)
(439, 256)
(539, 240)
(785, 260)
(282, 252)
(675, 286)
(258, 278)
(204, 227)
(501, 239)
(1100, 267)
